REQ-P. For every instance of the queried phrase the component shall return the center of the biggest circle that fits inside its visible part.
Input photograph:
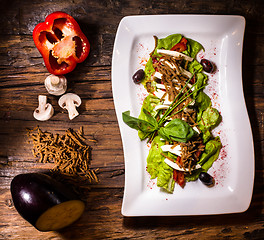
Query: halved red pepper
(61, 43)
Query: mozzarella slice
(158, 75)
(158, 107)
(196, 130)
(174, 54)
(160, 86)
(173, 149)
(185, 72)
(159, 93)
(175, 166)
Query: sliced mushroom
(56, 85)
(70, 101)
(44, 111)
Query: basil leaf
(177, 130)
(194, 46)
(150, 118)
(138, 124)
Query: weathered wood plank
(20, 52)
(22, 74)
(18, 19)
(103, 206)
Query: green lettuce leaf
(149, 103)
(165, 178)
(201, 78)
(149, 70)
(202, 102)
(211, 153)
(155, 158)
(195, 66)
(207, 120)
(157, 168)
(194, 176)
(210, 118)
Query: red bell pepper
(61, 43)
(178, 176)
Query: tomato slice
(181, 46)
(178, 176)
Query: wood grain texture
(22, 74)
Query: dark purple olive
(138, 76)
(207, 65)
(206, 179)
(45, 203)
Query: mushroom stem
(44, 111)
(72, 111)
(70, 101)
(42, 102)
(54, 81)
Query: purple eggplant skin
(35, 193)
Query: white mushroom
(70, 101)
(45, 110)
(56, 85)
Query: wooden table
(21, 81)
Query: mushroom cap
(56, 85)
(69, 97)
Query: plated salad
(177, 117)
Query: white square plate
(222, 38)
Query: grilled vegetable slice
(45, 203)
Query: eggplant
(44, 202)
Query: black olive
(138, 76)
(206, 179)
(207, 65)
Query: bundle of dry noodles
(69, 152)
